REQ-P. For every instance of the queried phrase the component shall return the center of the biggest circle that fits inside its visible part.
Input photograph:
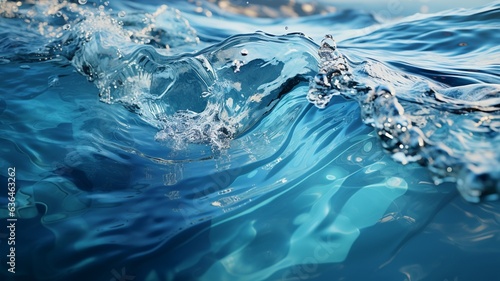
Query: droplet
(59, 14)
(82, 2)
(286, 27)
(121, 14)
(67, 26)
(244, 52)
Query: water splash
(147, 63)
(448, 158)
(201, 97)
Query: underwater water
(249, 140)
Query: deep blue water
(244, 140)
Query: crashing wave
(149, 63)
(465, 153)
(209, 96)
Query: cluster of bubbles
(189, 127)
(398, 133)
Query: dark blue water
(235, 140)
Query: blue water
(244, 140)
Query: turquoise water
(226, 140)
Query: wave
(217, 94)
(416, 135)
(181, 152)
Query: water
(250, 141)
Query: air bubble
(67, 26)
(331, 177)
(244, 52)
(82, 2)
(122, 14)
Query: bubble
(331, 177)
(59, 14)
(82, 2)
(122, 14)
(244, 52)
(67, 26)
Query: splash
(210, 96)
(450, 156)
(150, 64)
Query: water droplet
(59, 14)
(82, 2)
(244, 52)
(121, 14)
(67, 26)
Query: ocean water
(249, 140)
